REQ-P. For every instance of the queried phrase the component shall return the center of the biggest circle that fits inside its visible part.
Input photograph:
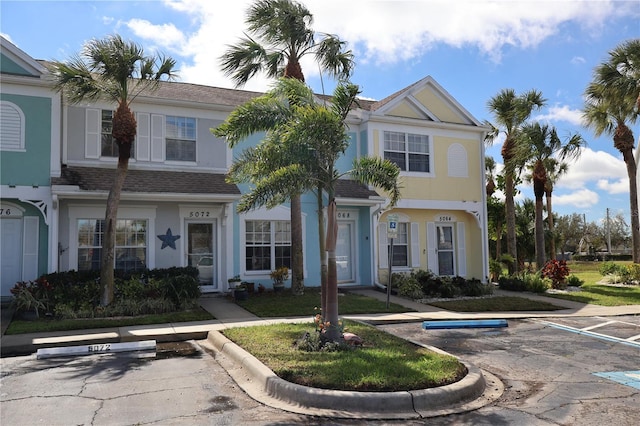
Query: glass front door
(445, 250)
(345, 252)
(200, 252)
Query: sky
(473, 48)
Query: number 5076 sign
(392, 226)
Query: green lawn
(285, 304)
(18, 326)
(495, 304)
(384, 362)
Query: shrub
(535, 282)
(574, 281)
(410, 287)
(557, 271)
(475, 288)
(608, 268)
(180, 289)
(512, 283)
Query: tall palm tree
(612, 103)
(495, 208)
(555, 170)
(280, 34)
(117, 70)
(315, 134)
(537, 144)
(510, 112)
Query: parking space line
(598, 325)
(592, 334)
(632, 338)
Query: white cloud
(599, 167)
(620, 186)
(382, 32)
(578, 60)
(583, 198)
(561, 113)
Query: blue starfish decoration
(168, 239)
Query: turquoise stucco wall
(10, 67)
(31, 167)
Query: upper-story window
(11, 127)
(180, 138)
(408, 150)
(108, 146)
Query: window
(181, 138)
(400, 246)
(108, 146)
(11, 127)
(409, 151)
(268, 245)
(131, 244)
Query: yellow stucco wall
(441, 110)
(404, 110)
(473, 238)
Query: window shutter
(462, 252)
(415, 245)
(93, 133)
(432, 252)
(157, 137)
(143, 136)
(383, 251)
(457, 161)
(11, 127)
(30, 248)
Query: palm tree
(315, 135)
(280, 35)
(537, 144)
(510, 112)
(555, 169)
(118, 70)
(612, 101)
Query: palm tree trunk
(498, 240)
(323, 254)
(297, 263)
(510, 211)
(632, 172)
(109, 237)
(333, 331)
(552, 243)
(540, 251)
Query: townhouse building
(177, 209)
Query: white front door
(201, 252)
(10, 254)
(345, 252)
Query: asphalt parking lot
(551, 374)
(554, 371)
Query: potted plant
(279, 276)
(233, 281)
(240, 292)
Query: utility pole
(608, 232)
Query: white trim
(432, 248)
(143, 137)
(414, 241)
(461, 252)
(92, 133)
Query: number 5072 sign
(392, 226)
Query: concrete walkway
(474, 391)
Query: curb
(262, 384)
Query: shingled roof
(346, 188)
(147, 181)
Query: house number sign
(344, 215)
(6, 211)
(445, 218)
(198, 214)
